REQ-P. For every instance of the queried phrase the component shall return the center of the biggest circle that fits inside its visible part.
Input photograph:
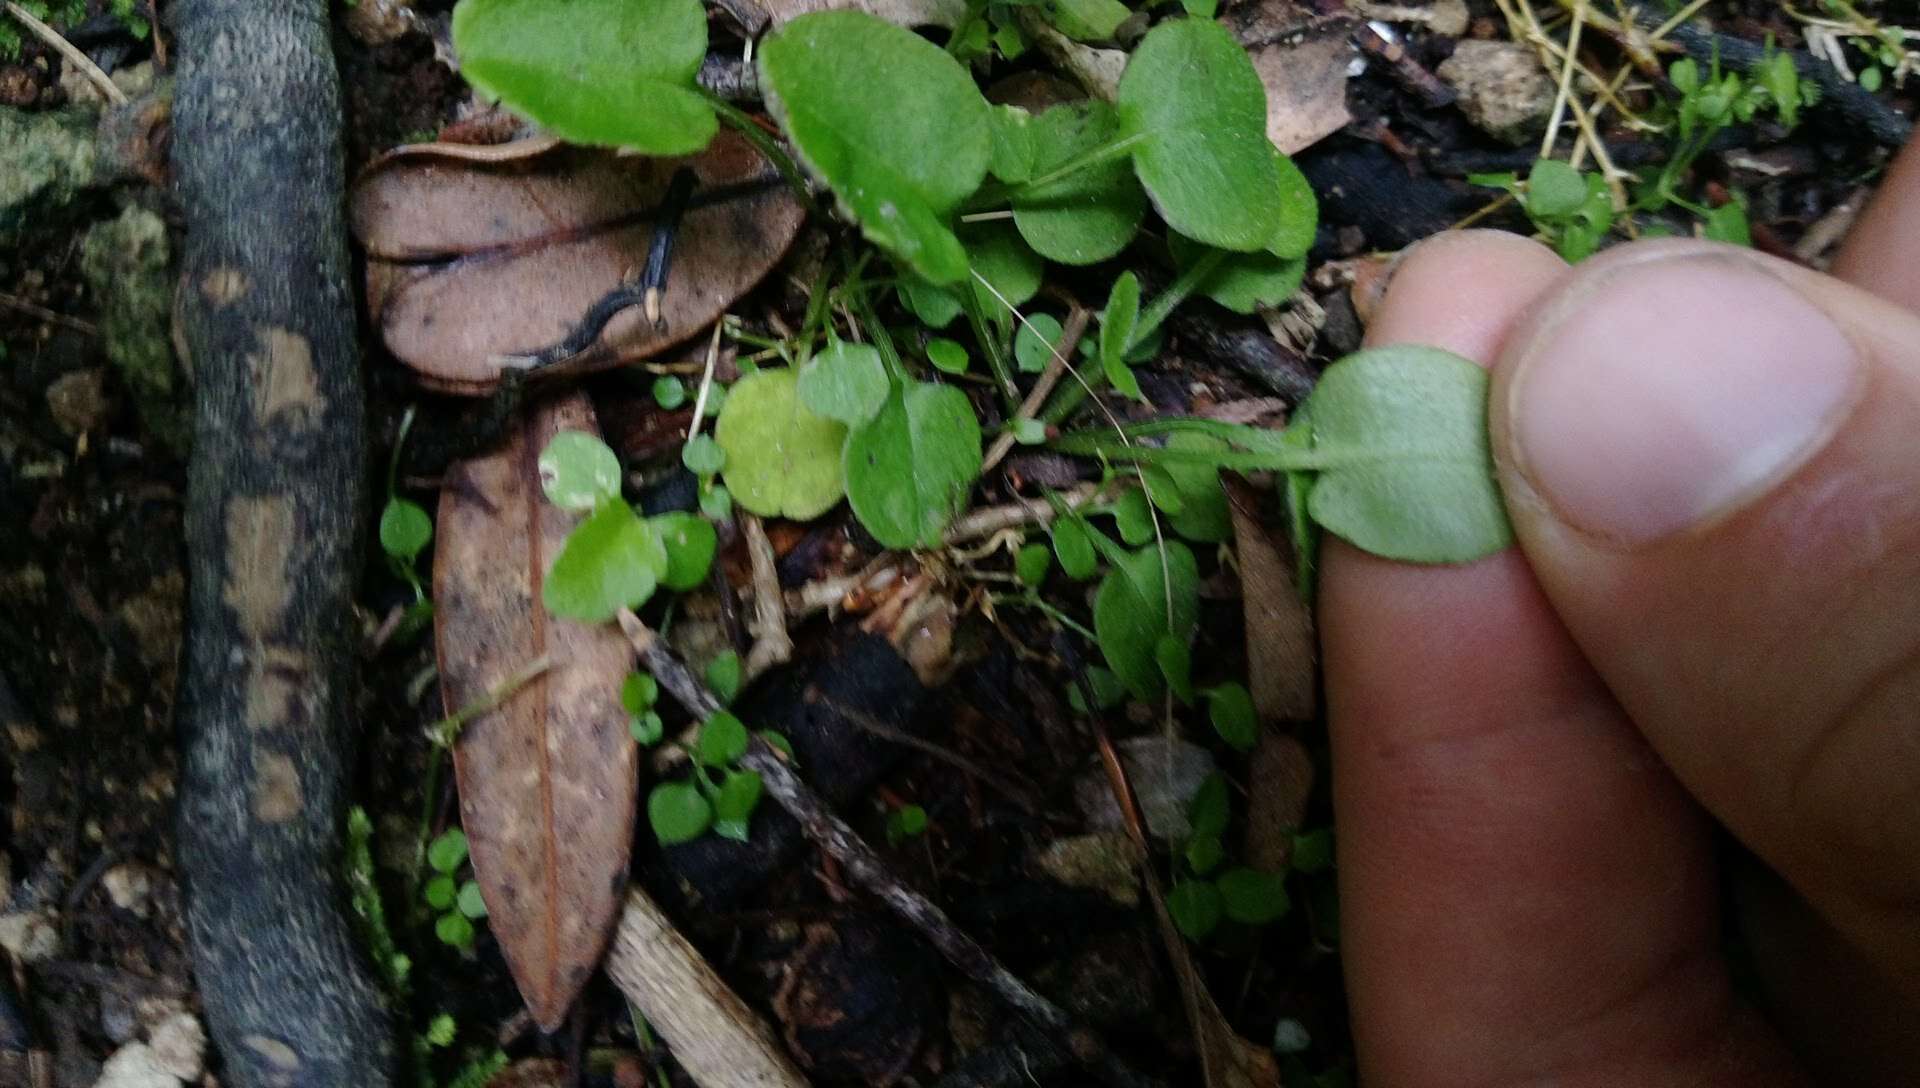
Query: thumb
(1712, 460)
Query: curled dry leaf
(472, 259)
(1302, 61)
(548, 780)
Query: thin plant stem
(1151, 318)
(1050, 611)
(766, 145)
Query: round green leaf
(733, 805)
(1230, 708)
(996, 253)
(1203, 854)
(1252, 897)
(1201, 511)
(612, 560)
(1195, 906)
(722, 740)
(454, 929)
(1074, 548)
(607, 72)
(578, 471)
(678, 813)
(1013, 144)
(702, 455)
(716, 502)
(1133, 516)
(893, 124)
(1243, 282)
(405, 528)
(1029, 432)
(724, 676)
(448, 850)
(906, 822)
(935, 306)
(947, 356)
(1400, 437)
(1299, 211)
(847, 382)
(782, 460)
(690, 541)
(1086, 20)
(1555, 189)
(1090, 214)
(1130, 612)
(1032, 562)
(646, 728)
(910, 469)
(1210, 808)
(470, 902)
(669, 392)
(1191, 97)
(440, 892)
(1033, 342)
(638, 692)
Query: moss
(126, 265)
(45, 159)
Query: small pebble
(130, 887)
(1503, 89)
(30, 935)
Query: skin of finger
(1879, 250)
(1525, 892)
(1772, 657)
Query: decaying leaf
(1302, 61)
(1279, 625)
(548, 780)
(469, 260)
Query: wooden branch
(275, 522)
(839, 840)
(714, 1036)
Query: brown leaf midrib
(537, 572)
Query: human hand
(1712, 461)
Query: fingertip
(1463, 290)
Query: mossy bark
(275, 512)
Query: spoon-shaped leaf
(616, 73)
(1191, 98)
(782, 460)
(1116, 331)
(893, 124)
(909, 470)
(1130, 611)
(1090, 214)
(612, 560)
(1400, 441)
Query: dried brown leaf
(1279, 625)
(548, 779)
(1302, 61)
(1279, 783)
(471, 260)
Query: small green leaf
(910, 469)
(1090, 214)
(947, 355)
(1200, 9)
(1312, 851)
(1032, 562)
(455, 929)
(724, 675)
(1108, 692)
(578, 471)
(782, 459)
(1728, 223)
(405, 528)
(1554, 189)
(440, 1030)
(1074, 547)
(1130, 611)
(733, 806)
(440, 892)
(703, 456)
(1252, 897)
(1210, 808)
(1299, 211)
(905, 822)
(678, 813)
(470, 902)
(1191, 98)
(616, 73)
(1133, 516)
(1243, 282)
(1230, 709)
(847, 382)
(997, 254)
(1196, 908)
(1033, 342)
(1400, 438)
(1204, 854)
(1174, 655)
(716, 503)
(1117, 323)
(669, 392)
(448, 850)
(690, 541)
(646, 728)
(722, 740)
(1029, 432)
(778, 742)
(935, 306)
(638, 692)
(1086, 20)
(1013, 144)
(893, 124)
(1200, 509)
(612, 560)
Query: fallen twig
(1056, 368)
(840, 842)
(771, 646)
(100, 80)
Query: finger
(1710, 457)
(1525, 892)
(1878, 254)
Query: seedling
(1204, 893)
(405, 531)
(906, 822)
(456, 903)
(719, 795)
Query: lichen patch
(276, 788)
(259, 533)
(286, 391)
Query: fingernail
(1671, 392)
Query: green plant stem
(987, 333)
(1152, 317)
(766, 145)
(1051, 612)
(856, 296)
(446, 731)
(1105, 153)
